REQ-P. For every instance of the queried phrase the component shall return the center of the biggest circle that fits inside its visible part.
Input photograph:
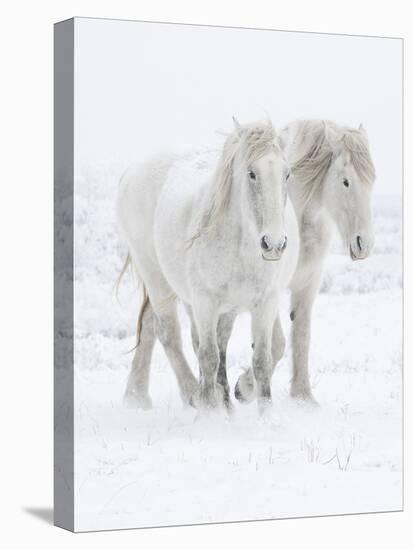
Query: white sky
(143, 86)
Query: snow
(169, 465)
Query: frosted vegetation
(168, 466)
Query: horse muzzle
(272, 253)
(360, 248)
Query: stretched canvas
(228, 274)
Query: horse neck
(232, 218)
(232, 224)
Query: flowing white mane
(317, 143)
(254, 141)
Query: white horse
(217, 240)
(331, 181)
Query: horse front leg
(301, 308)
(206, 319)
(224, 330)
(245, 388)
(263, 319)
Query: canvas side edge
(63, 274)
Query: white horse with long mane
(210, 230)
(331, 181)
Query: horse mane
(317, 143)
(255, 140)
(355, 142)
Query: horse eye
(252, 175)
(346, 182)
(287, 176)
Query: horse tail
(145, 303)
(145, 300)
(144, 306)
(122, 273)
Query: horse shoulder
(140, 187)
(175, 224)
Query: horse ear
(237, 125)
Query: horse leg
(301, 307)
(194, 330)
(165, 325)
(136, 394)
(245, 389)
(169, 334)
(263, 320)
(224, 330)
(278, 344)
(206, 317)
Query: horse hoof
(210, 400)
(304, 398)
(264, 408)
(227, 402)
(189, 394)
(192, 402)
(245, 389)
(312, 402)
(133, 401)
(238, 395)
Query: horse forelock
(317, 143)
(312, 156)
(356, 145)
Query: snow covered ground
(169, 466)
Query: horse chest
(315, 235)
(246, 281)
(236, 273)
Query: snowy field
(169, 466)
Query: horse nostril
(265, 245)
(359, 243)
